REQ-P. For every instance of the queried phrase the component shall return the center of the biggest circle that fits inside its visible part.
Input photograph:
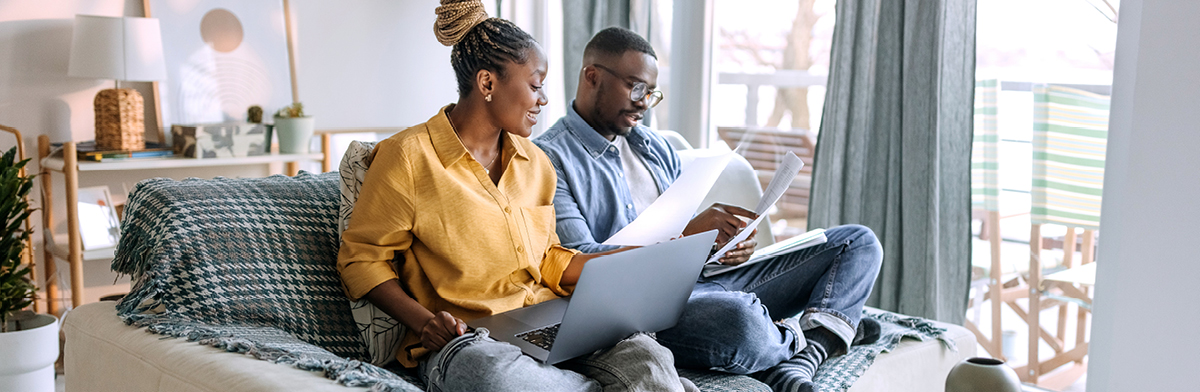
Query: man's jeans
(476, 362)
(728, 323)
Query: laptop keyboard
(543, 337)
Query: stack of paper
(666, 218)
(783, 178)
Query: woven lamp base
(120, 120)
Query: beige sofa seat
(915, 365)
(104, 354)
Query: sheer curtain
(894, 148)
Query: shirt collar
(587, 136)
(450, 149)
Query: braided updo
(478, 42)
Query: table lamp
(118, 48)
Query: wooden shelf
(61, 250)
(55, 162)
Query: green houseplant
(294, 129)
(30, 339)
(16, 290)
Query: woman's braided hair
(478, 42)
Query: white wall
(361, 63)
(1146, 314)
(371, 63)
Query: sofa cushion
(380, 332)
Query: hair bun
(455, 18)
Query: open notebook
(811, 238)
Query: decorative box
(223, 140)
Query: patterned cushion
(381, 333)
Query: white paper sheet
(665, 219)
(784, 175)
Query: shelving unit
(69, 247)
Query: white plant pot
(294, 133)
(27, 356)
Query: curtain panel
(894, 146)
(581, 20)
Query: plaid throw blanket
(246, 265)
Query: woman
(466, 197)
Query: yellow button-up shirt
(471, 247)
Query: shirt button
(520, 249)
(507, 210)
(620, 175)
(611, 148)
(629, 206)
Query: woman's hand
(441, 329)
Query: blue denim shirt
(592, 201)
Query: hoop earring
(488, 98)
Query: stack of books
(87, 151)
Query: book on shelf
(87, 151)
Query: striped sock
(796, 374)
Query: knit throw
(245, 265)
(839, 373)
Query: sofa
(235, 289)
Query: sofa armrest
(104, 354)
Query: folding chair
(1069, 141)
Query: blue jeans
(476, 362)
(729, 322)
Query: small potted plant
(294, 129)
(28, 341)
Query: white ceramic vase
(27, 356)
(982, 375)
(294, 134)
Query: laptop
(639, 290)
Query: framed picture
(98, 224)
(222, 57)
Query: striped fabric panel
(985, 182)
(1070, 133)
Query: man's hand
(722, 217)
(741, 253)
(441, 329)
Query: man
(777, 320)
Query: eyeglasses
(640, 91)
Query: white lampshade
(121, 48)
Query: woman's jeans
(476, 362)
(729, 322)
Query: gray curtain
(895, 143)
(581, 20)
